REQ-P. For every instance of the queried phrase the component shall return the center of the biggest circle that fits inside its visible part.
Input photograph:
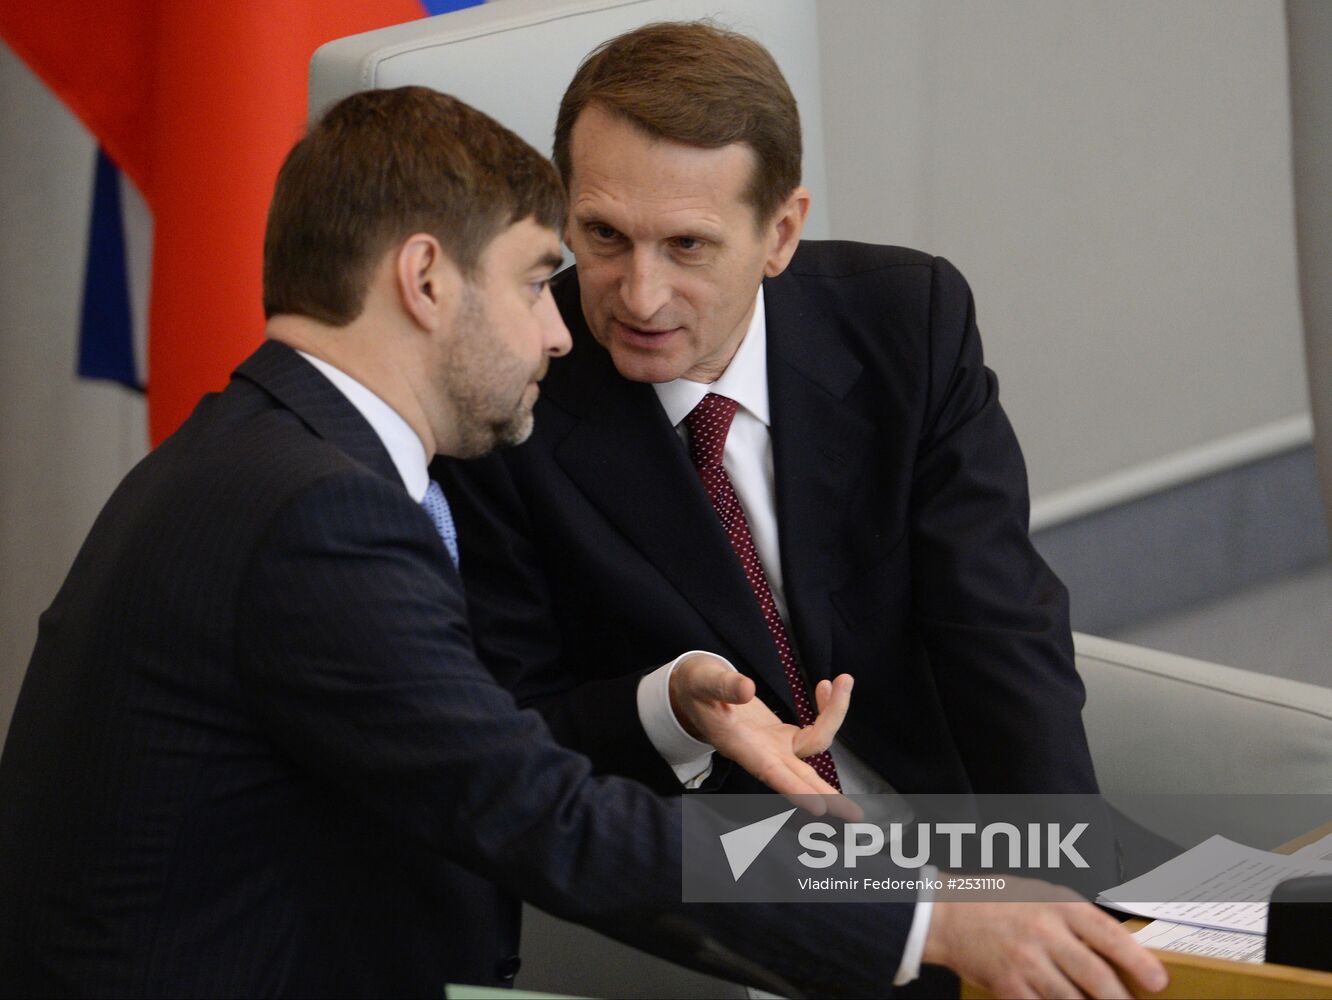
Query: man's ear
(784, 229)
(428, 282)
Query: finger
(797, 790)
(822, 692)
(834, 801)
(838, 804)
(1107, 936)
(1091, 974)
(809, 776)
(819, 736)
(815, 805)
(1030, 971)
(1049, 982)
(825, 688)
(843, 808)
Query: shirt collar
(401, 442)
(745, 379)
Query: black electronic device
(1299, 923)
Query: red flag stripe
(198, 103)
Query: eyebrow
(550, 260)
(590, 216)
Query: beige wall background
(1113, 177)
(64, 442)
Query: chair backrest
(1183, 746)
(513, 60)
(1160, 723)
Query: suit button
(508, 967)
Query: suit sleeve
(514, 616)
(993, 616)
(356, 660)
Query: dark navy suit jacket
(254, 753)
(591, 553)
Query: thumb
(735, 688)
(710, 678)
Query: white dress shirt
(747, 459)
(402, 443)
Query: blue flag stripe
(106, 330)
(447, 6)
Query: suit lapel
(298, 385)
(630, 463)
(819, 446)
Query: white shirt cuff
(690, 759)
(909, 968)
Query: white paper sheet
(1218, 884)
(1235, 945)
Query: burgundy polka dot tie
(708, 423)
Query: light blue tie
(437, 506)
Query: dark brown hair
(697, 84)
(379, 166)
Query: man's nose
(644, 288)
(555, 335)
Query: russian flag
(196, 104)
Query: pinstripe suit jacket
(254, 753)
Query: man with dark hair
(254, 753)
(787, 453)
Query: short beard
(486, 385)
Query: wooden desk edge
(1202, 976)
(1291, 846)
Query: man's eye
(688, 242)
(603, 232)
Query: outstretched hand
(717, 705)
